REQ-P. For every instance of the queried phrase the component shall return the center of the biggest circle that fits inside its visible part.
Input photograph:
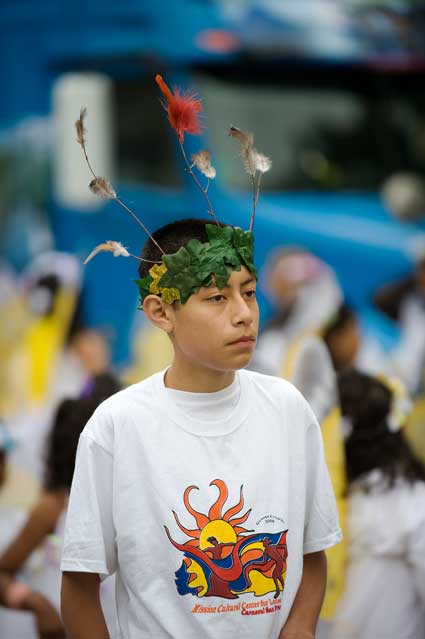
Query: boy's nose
(242, 312)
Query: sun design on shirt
(221, 558)
(225, 528)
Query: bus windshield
(324, 129)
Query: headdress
(177, 276)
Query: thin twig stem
(134, 216)
(253, 199)
(121, 203)
(142, 259)
(83, 146)
(198, 184)
(256, 196)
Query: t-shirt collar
(205, 414)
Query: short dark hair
(371, 445)
(171, 237)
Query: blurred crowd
(55, 371)
(369, 399)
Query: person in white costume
(307, 297)
(305, 292)
(18, 492)
(29, 561)
(384, 595)
(404, 302)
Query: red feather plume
(182, 108)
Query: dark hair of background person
(51, 284)
(3, 458)
(70, 418)
(171, 237)
(77, 323)
(342, 338)
(371, 445)
(389, 297)
(343, 317)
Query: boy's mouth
(246, 339)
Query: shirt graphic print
(222, 558)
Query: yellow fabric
(43, 342)
(335, 458)
(152, 353)
(288, 364)
(13, 324)
(414, 430)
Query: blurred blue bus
(337, 116)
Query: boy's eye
(251, 294)
(216, 298)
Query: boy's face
(217, 329)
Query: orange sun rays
(215, 512)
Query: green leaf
(177, 261)
(144, 283)
(219, 233)
(195, 248)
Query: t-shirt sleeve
(89, 540)
(321, 528)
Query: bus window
(145, 153)
(324, 130)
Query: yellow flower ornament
(169, 295)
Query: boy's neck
(196, 379)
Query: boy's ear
(158, 312)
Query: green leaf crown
(200, 264)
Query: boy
(204, 487)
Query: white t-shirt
(204, 520)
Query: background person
(40, 537)
(304, 292)
(385, 579)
